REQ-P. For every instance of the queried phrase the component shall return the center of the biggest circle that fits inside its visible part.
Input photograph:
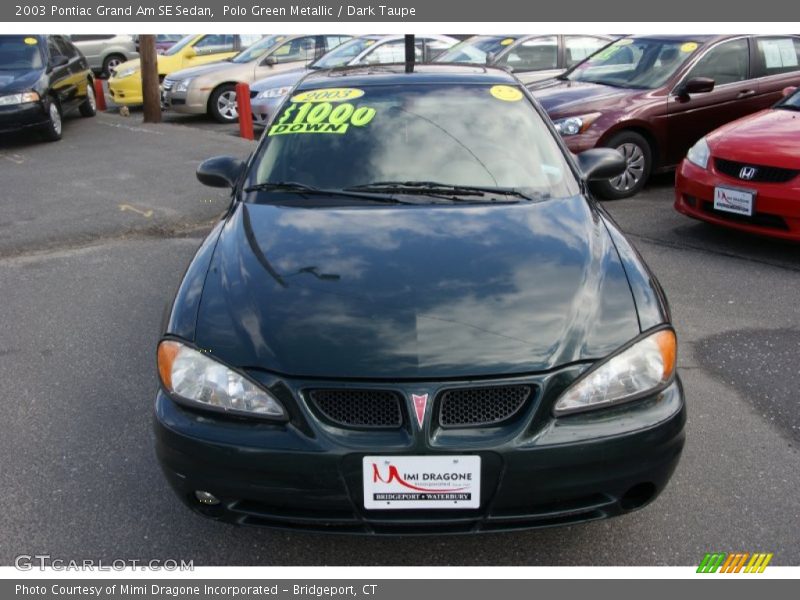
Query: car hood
(278, 80)
(415, 292)
(563, 97)
(218, 70)
(21, 80)
(772, 133)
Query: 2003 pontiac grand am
(413, 318)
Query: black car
(42, 77)
(414, 319)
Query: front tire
(52, 130)
(639, 158)
(88, 107)
(222, 104)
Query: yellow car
(125, 84)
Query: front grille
(167, 84)
(356, 408)
(763, 174)
(481, 406)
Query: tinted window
(343, 54)
(90, 38)
(212, 44)
(331, 41)
(724, 63)
(778, 55)
(476, 50)
(20, 52)
(538, 54)
(578, 47)
(392, 52)
(461, 135)
(65, 47)
(642, 63)
(301, 48)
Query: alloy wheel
(635, 160)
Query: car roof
(676, 37)
(385, 74)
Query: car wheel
(639, 159)
(52, 129)
(88, 107)
(222, 104)
(112, 61)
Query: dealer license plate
(739, 202)
(398, 482)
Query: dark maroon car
(653, 96)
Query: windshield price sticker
(322, 117)
(31, 41)
(689, 47)
(328, 95)
(506, 93)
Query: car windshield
(343, 54)
(641, 63)
(180, 45)
(20, 52)
(475, 50)
(791, 102)
(258, 49)
(488, 136)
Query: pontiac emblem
(420, 402)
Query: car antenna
(410, 55)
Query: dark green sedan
(414, 319)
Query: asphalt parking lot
(95, 232)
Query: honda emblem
(747, 173)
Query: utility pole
(151, 94)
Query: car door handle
(746, 93)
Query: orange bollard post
(245, 111)
(99, 94)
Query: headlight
(699, 153)
(19, 98)
(125, 72)
(202, 381)
(183, 85)
(279, 92)
(575, 125)
(639, 369)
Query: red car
(746, 174)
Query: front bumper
(538, 472)
(192, 101)
(264, 109)
(126, 91)
(18, 117)
(776, 207)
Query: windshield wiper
(302, 189)
(435, 188)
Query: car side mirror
(601, 163)
(58, 60)
(788, 91)
(696, 85)
(270, 61)
(190, 52)
(220, 171)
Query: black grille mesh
(360, 408)
(763, 173)
(473, 407)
